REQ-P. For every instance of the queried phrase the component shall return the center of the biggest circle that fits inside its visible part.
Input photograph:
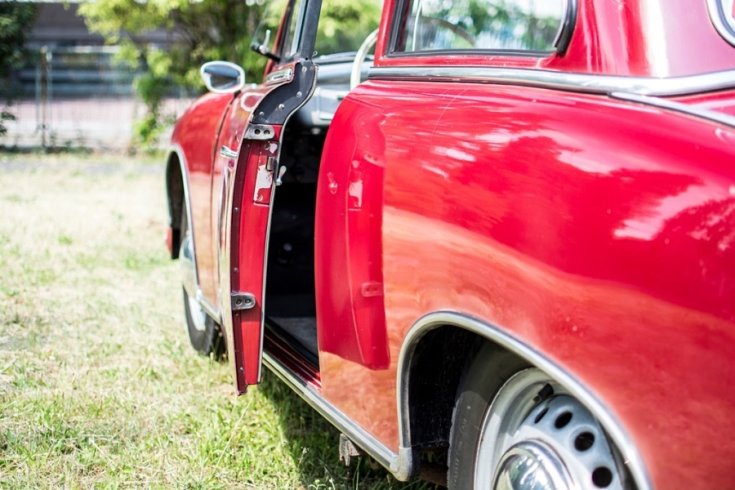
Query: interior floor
(290, 305)
(290, 300)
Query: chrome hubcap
(189, 282)
(538, 437)
(533, 466)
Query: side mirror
(222, 77)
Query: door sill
(398, 464)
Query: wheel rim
(188, 281)
(538, 437)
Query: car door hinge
(242, 301)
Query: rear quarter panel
(598, 232)
(195, 137)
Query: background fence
(78, 97)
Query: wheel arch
(177, 193)
(429, 335)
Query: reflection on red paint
(614, 256)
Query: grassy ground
(98, 384)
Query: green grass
(98, 384)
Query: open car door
(245, 173)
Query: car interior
(290, 307)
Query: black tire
(484, 376)
(209, 341)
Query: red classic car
(506, 240)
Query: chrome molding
(213, 312)
(227, 152)
(433, 321)
(224, 240)
(577, 82)
(208, 307)
(716, 15)
(687, 109)
(396, 463)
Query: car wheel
(514, 427)
(204, 333)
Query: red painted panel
(349, 279)
(247, 256)
(598, 232)
(723, 102)
(196, 134)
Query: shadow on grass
(314, 443)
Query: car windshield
(343, 25)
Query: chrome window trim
(715, 15)
(395, 463)
(577, 82)
(561, 39)
(672, 105)
(438, 319)
(210, 309)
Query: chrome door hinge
(242, 301)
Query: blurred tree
(206, 30)
(201, 31)
(15, 18)
(344, 24)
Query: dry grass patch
(98, 384)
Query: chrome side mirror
(222, 77)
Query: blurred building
(73, 92)
(78, 60)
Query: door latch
(242, 301)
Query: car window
(344, 25)
(518, 25)
(293, 30)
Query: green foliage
(15, 18)
(202, 31)
(344, 24)
(209, 30)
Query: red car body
(577, 209)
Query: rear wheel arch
(175, 192)
(418, 428)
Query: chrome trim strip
(715, 15)
(578, 82)
(438, 319)
(223, 263)
(228, 152)
(376, 449)
(206, 306)
(687, 109)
